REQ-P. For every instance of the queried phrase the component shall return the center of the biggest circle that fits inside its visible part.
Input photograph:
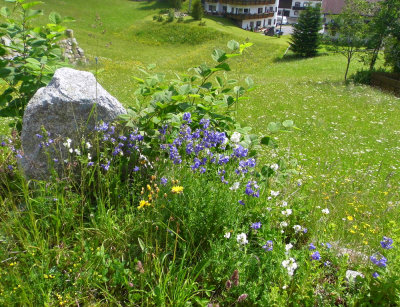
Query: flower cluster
(290, 265)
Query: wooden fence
(386, 81)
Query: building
(293, 8)
(248, 14)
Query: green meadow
(343, 149)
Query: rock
(63, 108)
(351, 276)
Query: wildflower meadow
(186, 201)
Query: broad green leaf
(273, 127)
(288, 123)
(233, 45)
(218, 55)
(28, 5)
(223, 66)
(5, 12)
(265, 140)
(33, 13)
(219, 81)
(33, 61)
(6, 71)
(238, 90)
(249, 82)
(55, 18)
(244, 46)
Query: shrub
(31, 57)
(171, 15)
(197, 10)
(392, 54)
(176, 4)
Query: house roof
(335, 6)
(285, 4)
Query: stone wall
(71, 50)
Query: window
(251, 24)
(269, 22)
(246, 11)
(224, 9)
(258, 23)
(307, 4)
(240, 11)
(212, 8)
(297, 4)
(271, 8)
(279, 13)
(260, 10)
(232, 10)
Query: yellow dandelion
(143, 203)
(148, 187)
(177, 189)
(350, 218)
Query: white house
(293, 8)
(248, 14)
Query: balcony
(249, 16)
(299, 8)
(247, 2)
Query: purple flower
(315, 256)
(163, 129)
(311, 247)
(252, 189)
(327, 245)
(378, 260)
(241, 202)
(205, 123)
(256, 225)
(202, 170)
(163, 180)
(269, 246)
(187, 117)
(39, 136)
(375, 275)
(3, 144)
(90, 164)
(386, 243)
(105, 166)
(305, 230)
(136, 169)
(10, 167)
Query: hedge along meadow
(169, 206)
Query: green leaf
(141, 81)
(33, 13)
(223, 66)
(218, 55)
(232, 81)
(238, 90)
(249, 82)
(6, 71)
(184, 89)
(219, 81)
(151, 66)
(273, 127)
(244, 46)
(288, 123)
(265, 140)
(33, 61)
(141, 244)
(28, 5)
(5, 12)
(233, 45)
(55, 18)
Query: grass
(345, 147)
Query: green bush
(197, 10)
(31, 57)
(171, 15)
(392, 54)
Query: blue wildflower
(187, 117)
(90, 164)
(315, 256)
(163, 180)
(256, 225)
(311, 247)
(241, 202)
(136, 169)
(378, 260)
(386, 243)
(3, 144)
(205, 123)
(39, 136)
(269, 246)
(375, 275)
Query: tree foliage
(30, 56)
(197, 12)
(176, 4)
(306, 39)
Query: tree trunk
(190, 4)
(349, 56)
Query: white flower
(242, 238)
(71, 150)
(274, 193)
(67, 143)
(284, 204)
(269, 209)
(325, 211)
(88, 145)
(235, 186)
(288, 247)
(227, 235)
(89, 156)
(290, 265)
(77, 151)
(284, 287)
(283, 224)
(297, 228)
(235, 138)
(287, 212)
(274, 166)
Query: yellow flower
(350, 218)
(177, 189)
(143, 203)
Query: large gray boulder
(68, 107)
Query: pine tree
(305, 38)
(197, 12)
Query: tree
(197, 12)
(305, 38)
(351, 35)
(176, 4)
(384, 23)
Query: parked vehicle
(270, 31)
(278, 32)
(282, 20)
